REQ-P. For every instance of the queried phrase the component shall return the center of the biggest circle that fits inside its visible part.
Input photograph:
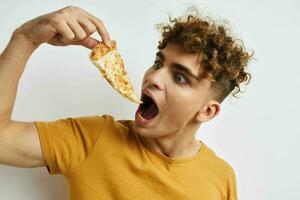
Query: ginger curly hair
(224, 58)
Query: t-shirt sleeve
(66, 143)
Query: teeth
(144, 95)
(147, 95)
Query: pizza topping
(101, 49)
(111, 66)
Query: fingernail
(108, 43)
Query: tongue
(150, 112)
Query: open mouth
(148, 109)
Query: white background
(257, 134)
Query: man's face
(179, 95)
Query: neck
(174, 146)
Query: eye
(179, 78)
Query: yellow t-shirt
(103, 159)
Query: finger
(66, 32)
(99, 26)
(77, 29)
(101, 30)
(88, 42)
(87, 25)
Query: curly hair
(224, 58)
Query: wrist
(21, 40)
(18, 47)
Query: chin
(146, 132)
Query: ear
(208, 111)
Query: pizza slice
(111, 66)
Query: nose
(155, 79)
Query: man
(156, 156)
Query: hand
(68, 26)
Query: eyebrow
(178, 66)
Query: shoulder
(112, 123)
(100, 121)
(81, 121)
(117, 128)
(218, 164)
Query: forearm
(67, 26)
(12, 63)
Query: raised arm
(19, 141)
